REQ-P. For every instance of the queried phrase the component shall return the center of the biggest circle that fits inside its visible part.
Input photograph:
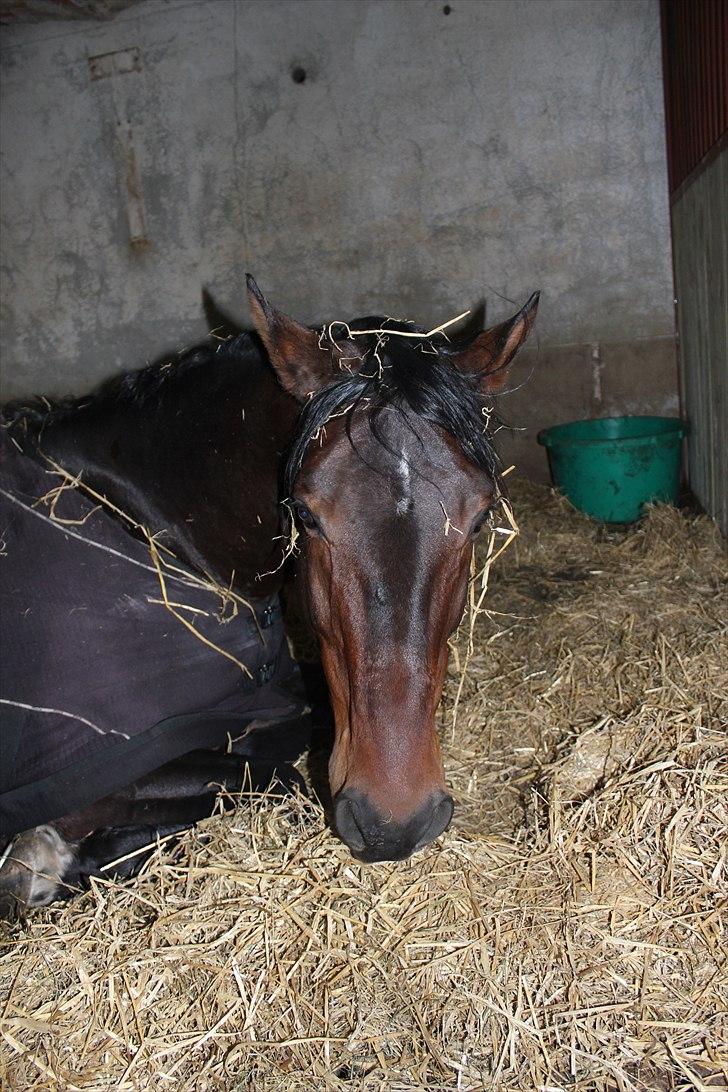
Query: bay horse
(359, 445)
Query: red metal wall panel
(695, 63)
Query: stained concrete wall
(428, 161)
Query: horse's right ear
(301, 364)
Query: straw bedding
(565, 933)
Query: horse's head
(390, 476)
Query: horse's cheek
(459, 600)
(319, 590)
(454, 585)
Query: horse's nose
(372, 836)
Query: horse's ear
(300, 363)
(489, 354)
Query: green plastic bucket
(612, 466)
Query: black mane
(140, 387)
(414, 377)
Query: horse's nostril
(439, 821)
(346, 824)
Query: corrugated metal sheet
(695, 60)
(700, 247)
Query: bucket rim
(548, 437)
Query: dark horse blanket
(100, 680)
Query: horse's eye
(480, 522)
(306, 516)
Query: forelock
(416, 379)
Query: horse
(366, 449)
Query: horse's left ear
(489, 354)
(301, 364)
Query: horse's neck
(200, 464)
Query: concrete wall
(427, 161)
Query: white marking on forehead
(404, 500)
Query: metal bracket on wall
(597, 370)
(114, 67)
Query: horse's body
(391, 447)
(191, 450)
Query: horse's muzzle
(372, 836)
